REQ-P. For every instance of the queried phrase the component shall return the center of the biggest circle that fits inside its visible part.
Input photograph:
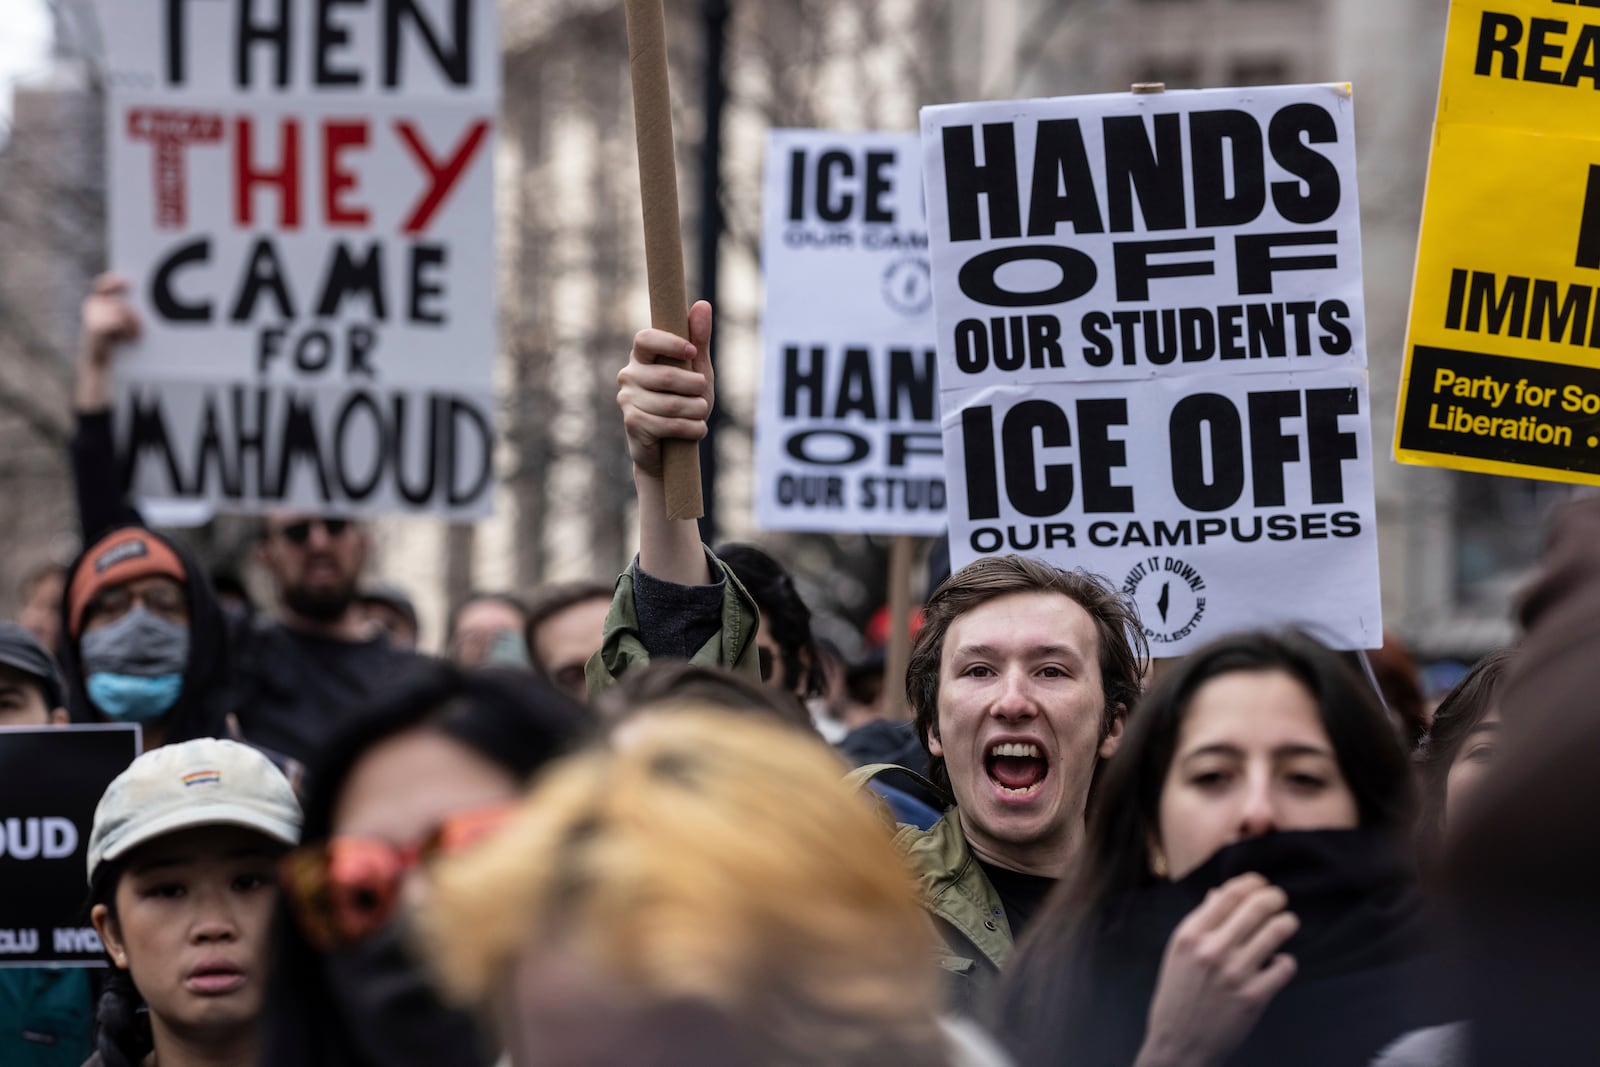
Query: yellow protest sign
(1502, 369)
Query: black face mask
(390, 1015)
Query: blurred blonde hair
(707, 857)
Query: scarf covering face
(1366, 970)
(134, 666)
(390, 1014)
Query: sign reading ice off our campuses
(301, 194)
(51, 779)
(1152, 351)
(1503, 357)
(847, 432)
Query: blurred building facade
(572, 276)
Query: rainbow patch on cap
(202, 778)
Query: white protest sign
(847, 431)
(1152, 351)
(302, 196)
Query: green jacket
(965, 908)
(46, 1016)
(622, 649)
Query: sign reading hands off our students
(1152, 351)
(301, 193)
(847, 439)
(51, 778)
(1503, 359)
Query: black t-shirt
(1020, 894)
(294, 689)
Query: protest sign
(51, 779)
(301, 194)
(1152, 351)
(847, 430)
(1502, 372)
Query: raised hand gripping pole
(663, 238)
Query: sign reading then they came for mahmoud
(302, 194)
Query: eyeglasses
(299, 532)
(347, 888)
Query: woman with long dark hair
(1459, 746)
(427, 768)
(181, 875)
(1247, 893)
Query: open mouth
(1017, 768)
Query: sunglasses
(299, 533)
(344, 890)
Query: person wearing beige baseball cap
(181, 874)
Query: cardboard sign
(847, 435)
(51, 778)
(302, 196)
(1502, 367)
(1152, 351)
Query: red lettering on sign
(441, 177)
(169, 132)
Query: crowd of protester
(659, 822)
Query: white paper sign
(1152, 351)
(302, 197)
(847, 432)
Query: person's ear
(1113, 737)
(1157, 857)
(110, 935)
(934, 747)
(59, 717)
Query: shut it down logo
(1170, 596)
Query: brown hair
(709, 859)
(1123, 649)
(551, 601)
(672, 683)
(1462, 709)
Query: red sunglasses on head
(343, 890)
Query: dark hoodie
(203, 705)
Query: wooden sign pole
(901, 550)
(663, 237)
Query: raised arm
(108, 321)
(659, 402)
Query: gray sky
(24, 46)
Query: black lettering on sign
(977, 447)
(1101, 453)
(1145, 163)
(1152, 170)
(1329, 446)
(1027, 493)
(1227, 143)
(1134, 269)
(1205, 423)
(1063, 185)
(995, 180)
(162, 296)
(240, 427)
(836, 193)
(1539, 50)
(832, 208)
(264, 28)
(1270, 447)
(979, 276)
(911, 386)
(1315, 196)
(265, 272)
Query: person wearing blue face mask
(144, 639)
